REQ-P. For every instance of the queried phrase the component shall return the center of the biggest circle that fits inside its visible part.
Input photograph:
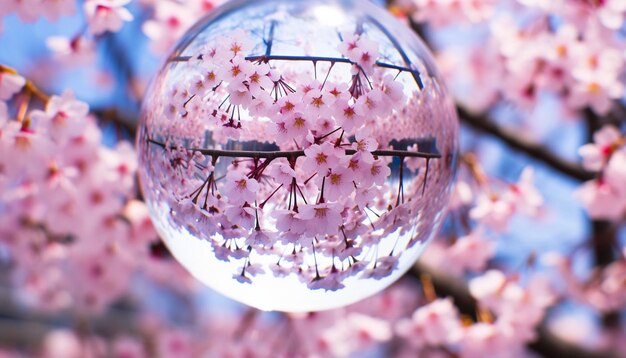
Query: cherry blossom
(106, 15)
(602, 200)
(320, 158)
(63, 118)
(470, 252)
(597, 154)
(604, 197)
(496, 209)
(171, 19)
(240, 189)
(10, 84)
(77, 50)
(320, 219)
(434, 324)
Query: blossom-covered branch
(295, 153)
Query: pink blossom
(63, 343)
(239, 94)
(486, 339)
(319, 158)
(57, 8)
(392, 89)
(64, 116)
(364, 141)
(375, 173)
(174, 343)
(493, 211)
(347, 117)
(258, 80)
(337, 91)
(615, 171)
(596, 76)
(4, 114)
(605, 141)
(524, 196)
(72, 51)
(338, 184)
(106, 15)
(602, 200)
(235, 72)
(10, 84)
(27, 10)
(289, 221)
(297, 125)
(360, 49)
(240, 189)
(170, 20)
(243, 216)
(488, 286)
(372, 104)
(282, 173)
(238, 43)
(470, 252)
(321, 219)
(446, 12)
(434, 324)
(611, 13)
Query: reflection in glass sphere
(297, 155)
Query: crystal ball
(297, 155)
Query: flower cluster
(448, 12)
(605, 197)
(101, 15)
(604, 290)
(438, 324)
(170, 19)
(435, 327)
(571, 58)
(54, 174)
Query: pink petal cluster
(31, 10)
(604, 290)
(496, 209)
(605, 197)
(447, 12)
(171, 19)
(106, 15)
(10, 84)
(435, 324)
(518, 308)
(56, 174)
(576, 61)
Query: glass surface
(297, 155)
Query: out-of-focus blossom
(106, 15)
(431, 325)
(496, 209)
(172, 18)
(79, 50)
(10, 84)
(605, 197)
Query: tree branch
(534, 150)
(296, 153)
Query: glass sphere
(297, 155)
